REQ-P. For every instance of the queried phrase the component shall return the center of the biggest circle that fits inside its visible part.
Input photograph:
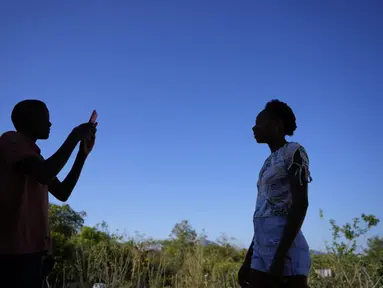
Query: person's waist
(16, 243)
(263, 214)
(20, 250)
(21, 253)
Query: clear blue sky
(178, 85)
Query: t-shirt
(274, 197)
(23, 200)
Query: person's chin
(259, 140)
(44, 137)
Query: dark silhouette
(279, 255)
(25, 179)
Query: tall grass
(92, 256)
(130, 266)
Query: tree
(374, 256)
(64, 224)
(92, 235)
(64, 220)
(344, 237)
(375, 248)
(183, 232)
(350, 268)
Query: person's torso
(23, 211)
(274, 197)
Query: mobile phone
(93, 118)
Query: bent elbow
(61, 198)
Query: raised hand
(83, 131)
(86, 145)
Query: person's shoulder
(291, 147)
(6, 136)
(297, 154)
(11, 137)
(11, 134)
(294, 145)
(14, 146)
(301, 148)
(294, 148)
(13, 140)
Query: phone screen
(93, 118)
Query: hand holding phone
(87, 144)
(93, 117)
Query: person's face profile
(41, 123)
(261, 129)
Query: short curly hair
(283, 112)
(24, 110)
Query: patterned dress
(273, 203)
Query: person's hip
(268, 232)
(267, 235)
(21, 270)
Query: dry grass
(129, 266)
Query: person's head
(274, 122)
(31, 117)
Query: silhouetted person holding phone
(25, 179)
(279, 255)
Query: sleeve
(14, 148)
(297, 163)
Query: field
(89, 255)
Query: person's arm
(62, 190)
(244, 271)
(298, 208)
(249, 253)
(45, 171)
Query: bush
(89, 255)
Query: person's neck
(277, 144)
(29, 136)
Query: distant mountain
(205, 242)
(316, 252)
(158, 246)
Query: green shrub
(88, 255)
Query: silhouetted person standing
(25, 179)
(279, 255)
